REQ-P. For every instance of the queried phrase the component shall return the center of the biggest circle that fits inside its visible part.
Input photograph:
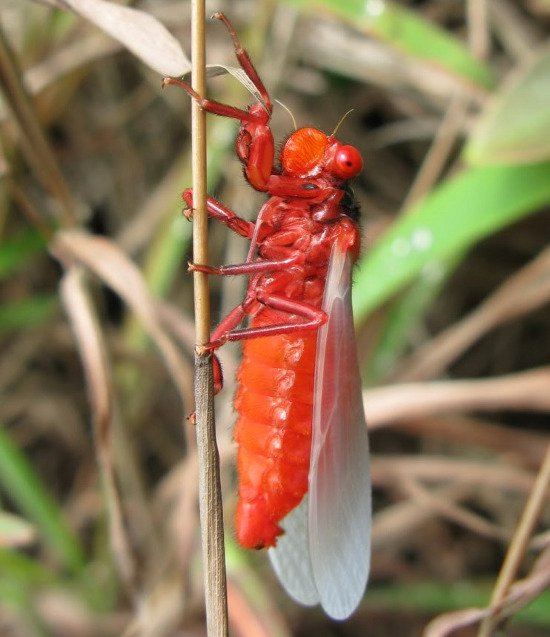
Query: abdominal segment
(273, 431)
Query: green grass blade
(516, 126)
(16, 251)
(17, 567)
(437, 597)
(460, 212)
(25, 489)
(14, 530)
(405, 30)
(27, 313)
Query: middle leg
(218, 211)
(262, 266)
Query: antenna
(290, 113)
(341, 120)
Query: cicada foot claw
(209, 348)
(198, 267)
(188, 213)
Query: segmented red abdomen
(274, 404)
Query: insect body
(300, 427)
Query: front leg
(218, 211)
(255, 147)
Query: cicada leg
(218, 211)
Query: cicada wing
(339, 520)
(290, 558)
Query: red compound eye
(347, 162)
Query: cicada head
(308, 152)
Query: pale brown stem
(32, 139)
(210, 500)
(518, 545)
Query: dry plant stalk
(32, 140)
(522, 292)
(210, 501)
(89, 338)
(518, 546)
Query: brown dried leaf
(94, 359)
(449, 622)
(90, 343)
(213, 70)
(138, 31)
(117, 271)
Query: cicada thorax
(273, 430)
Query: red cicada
(304, 485)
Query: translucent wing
(290, 558)
(324, 555)
(339, 478)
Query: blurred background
(98, 476)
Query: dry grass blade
(468, 431)
(327, 45)
(64, 61)
(179, 506)
(243, 619)
(450, 482)
(136, 234)
(519, 544)
(522, 293)
(436, 158)
(436, 469)
(521, 594)
(397, 522)
(117, 271)
(92, 352)
(446, 624)
(524, 391)
(67, 59)
(139, 32)
(32, 139)
(453, 512)
(517, 35)
(178, 325)
(478, 27)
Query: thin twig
(522, 292)
(210, 501)
(519, 544)
(32, 139)
(478, 30)
(440, 149)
